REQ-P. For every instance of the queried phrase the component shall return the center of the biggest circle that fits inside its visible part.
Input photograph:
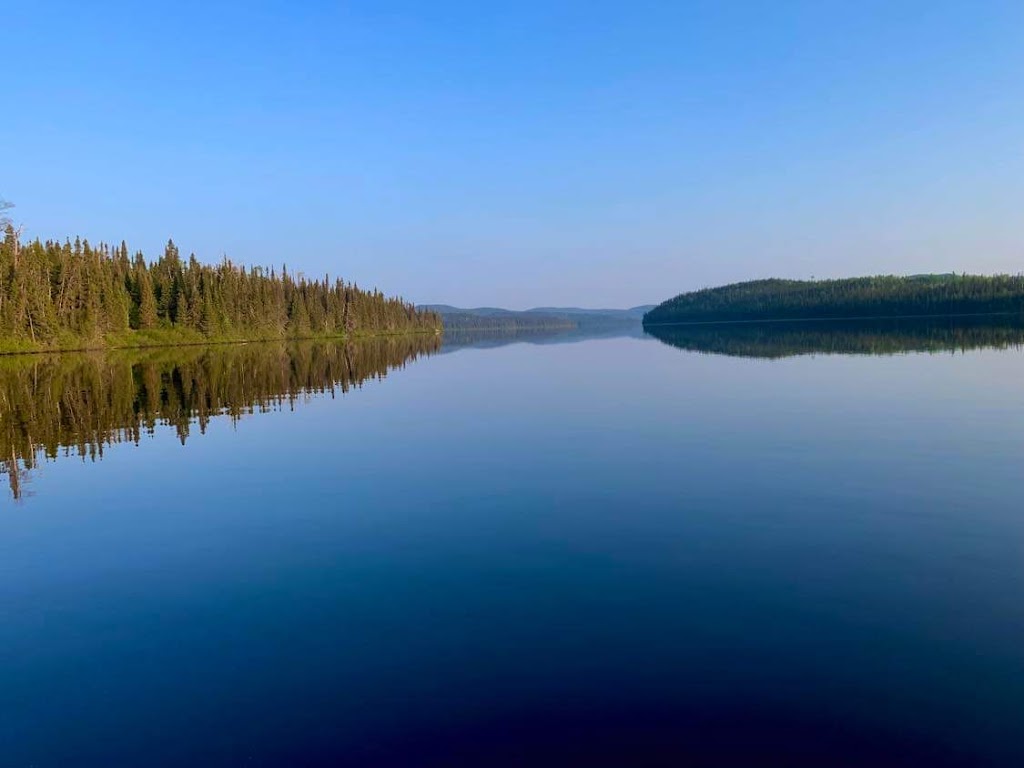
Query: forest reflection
(77, 404)
(779, 339)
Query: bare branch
(4, 218)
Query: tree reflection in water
(77, 404)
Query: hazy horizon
(527, 156)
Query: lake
(776, 545)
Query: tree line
(78, 404)
(880, 296)
(73, 294)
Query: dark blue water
(611, 552)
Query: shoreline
(199, 342)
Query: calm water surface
(742, 550)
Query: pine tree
(53, 290)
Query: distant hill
(880, 296)
(631, 313)
(539, 318)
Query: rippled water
(733, 547)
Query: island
(858, 297)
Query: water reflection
(475, 338)
(780, 339)
(77, 404)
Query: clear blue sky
(531, 152)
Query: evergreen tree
(62, 291)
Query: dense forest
(79, 403)
(882, 296)
(76, 295)
(845, 337)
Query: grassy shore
(176, 337)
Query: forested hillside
(881, 296)
(69, 295)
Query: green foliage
(882, 296)
(73, 296)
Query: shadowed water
(610, 552)
(876, 336)
(52, 405)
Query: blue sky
(528, 153)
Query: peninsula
(879, 296)
(73, 295)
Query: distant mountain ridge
(632, 312)
(637, 312)
(497, 318)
